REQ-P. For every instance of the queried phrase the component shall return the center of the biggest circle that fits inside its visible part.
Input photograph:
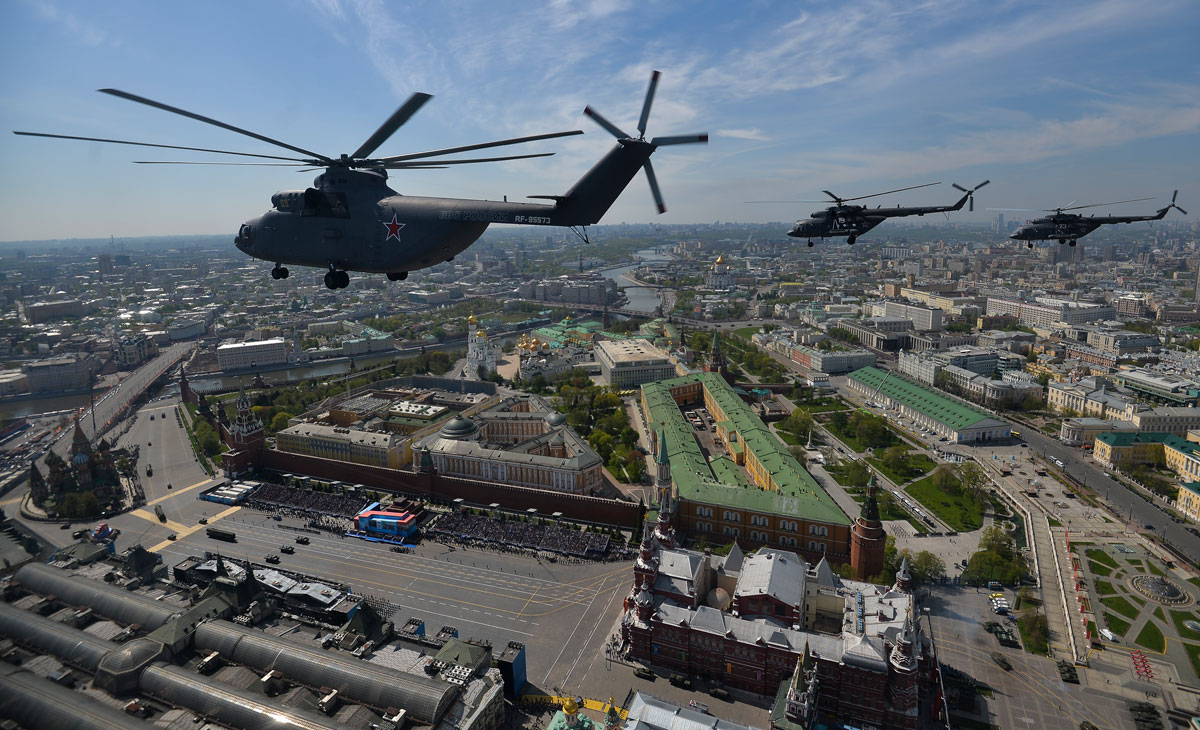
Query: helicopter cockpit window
(320, 204)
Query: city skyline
(1088, 101)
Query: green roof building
(751, 489)
(950, 418)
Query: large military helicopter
(1068, 227)
(350, 220)
(852, 221)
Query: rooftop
(792, 490)
(944, 410)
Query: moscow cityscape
(466, 461)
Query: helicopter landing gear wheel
(851, 239)
(279, 272)
(1071, 242)
(1030, 244)
(331, 279)
(343, 280)
(810, 244)
(1062, 240)
(397, 275)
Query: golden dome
(471, 319)
(535, 343)
(570, 707)
(720, 258)
(482, 335)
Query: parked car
(204, 520)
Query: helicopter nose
(245, 238)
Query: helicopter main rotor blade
(1115, 202)
(613, 129)
(469, 147)
(162, 146)
(1015, 210)
(646, 104)
(426, 163)
(208, 120)
(779, 202)
(886, 192)
(244, 164)
(679, 139)
(653, 180)
(398, 118)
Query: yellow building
(343, 444)
(1189, 500)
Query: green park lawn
(1101, 557)
(1151, 637)
(1193, 652)
(956, 510)
(917, 465)
(1178, 617)
(1116, 624)
(1105, 588)
(1120, 605)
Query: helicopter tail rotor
(1172, 203)
(970, 193)
(626, 139)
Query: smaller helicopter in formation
(1069, 227)
(852, 221)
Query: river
(202, 384)
(642, 300)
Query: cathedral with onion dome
(481, 354)
(86, 470)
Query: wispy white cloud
(1167, 112)
(566, 14)
(755, 134)
(86, 32)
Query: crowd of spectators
(305, 503)
(514, 534)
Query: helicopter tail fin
(590, 198)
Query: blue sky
(1089, 101)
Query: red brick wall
(573, 506)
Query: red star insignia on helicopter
(393, 229)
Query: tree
(1032, 402)
(280, 421)
(800, 454)
(798, 424)
(926, 567)
(856, 474)
(895, 460)
(995, 539)
(945, 478)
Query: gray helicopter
(350, 220)
(1069, 227)
(852, 221)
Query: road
(1120, 499)
(120, 396)
(553, 608)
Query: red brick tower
(867, 540)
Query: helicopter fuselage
(350, 220)
(1070, 226)
(855, 220)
